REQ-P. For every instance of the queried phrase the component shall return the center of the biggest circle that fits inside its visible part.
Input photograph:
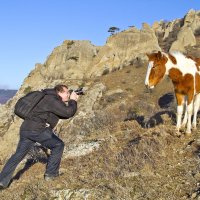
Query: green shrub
(27, 90)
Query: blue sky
(30, 30)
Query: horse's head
(156, 69)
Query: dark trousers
(27, 139)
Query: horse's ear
(148, 55)
(159, 55)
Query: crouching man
(49, 110)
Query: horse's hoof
(182, 129)
(188, 134)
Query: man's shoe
(2, 187)
(51, 177)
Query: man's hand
(74, 96)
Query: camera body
(78, 91)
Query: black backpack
(25, 104)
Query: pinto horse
(185, 75)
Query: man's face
(64, 94)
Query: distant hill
(5, 95)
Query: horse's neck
(175, 75)
(173, 71)
(169, 65)
(184, 65)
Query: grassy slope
(133, 162)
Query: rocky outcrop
(185, 38)
(71, 60)
(123, 48)
(6, 118)
(166, 32)
(180, 33)
(192, 19)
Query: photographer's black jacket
(49, 110)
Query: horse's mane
(182, 60)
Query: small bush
(27, 90)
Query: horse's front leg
(179, 117)
(180, 101)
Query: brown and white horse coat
(185, 75)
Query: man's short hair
(60, 88)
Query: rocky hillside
(121, 144)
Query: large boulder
(185, 38)
(192, 19)
(123, 48)
(69, 61)
(178, 34)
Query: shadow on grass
(164, 102)
(152, 121)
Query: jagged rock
(5, 119)
(185, 38)
(70, 60)
(10, 139)
(192, 19)
(166, 32)
(170, 27)
(81, 149)
(178, 34)
(68, 194)
(122, 48)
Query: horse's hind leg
(196, 108)
(185, 115)
(189, 110)
(190, 106)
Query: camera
(78, 91)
